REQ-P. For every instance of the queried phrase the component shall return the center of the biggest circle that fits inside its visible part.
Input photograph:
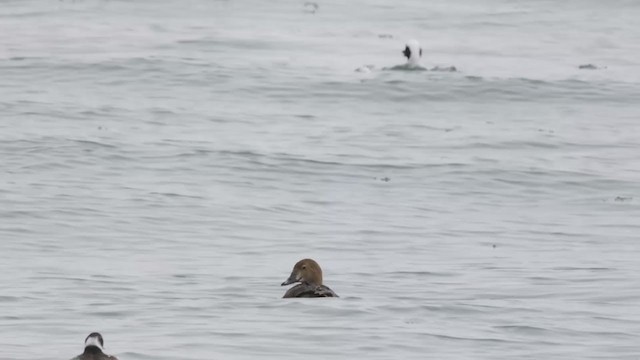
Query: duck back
(309, 291)
(100, 356)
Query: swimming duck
(93, 349)
(308, 273)
(413, 52)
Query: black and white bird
(413, 53)
(94, 349)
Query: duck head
(413, 52)
(305, 271)
(94, 343)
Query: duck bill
(292, 279)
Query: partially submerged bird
(93, 349)
(308, 273)
(413, 52)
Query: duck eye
(304, 267)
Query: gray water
(165, 163)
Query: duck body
(93, 349)
(101, 356)
(309, 291)
(413, 53)
(308, 274)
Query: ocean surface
(164, 164)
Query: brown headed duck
(93, 347)
(308, 273)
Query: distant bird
(413, 52)
(308, 273)
(93, 349)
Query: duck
(413, 52)
(308, 273)
(94, 349)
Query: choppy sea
(163, 165)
